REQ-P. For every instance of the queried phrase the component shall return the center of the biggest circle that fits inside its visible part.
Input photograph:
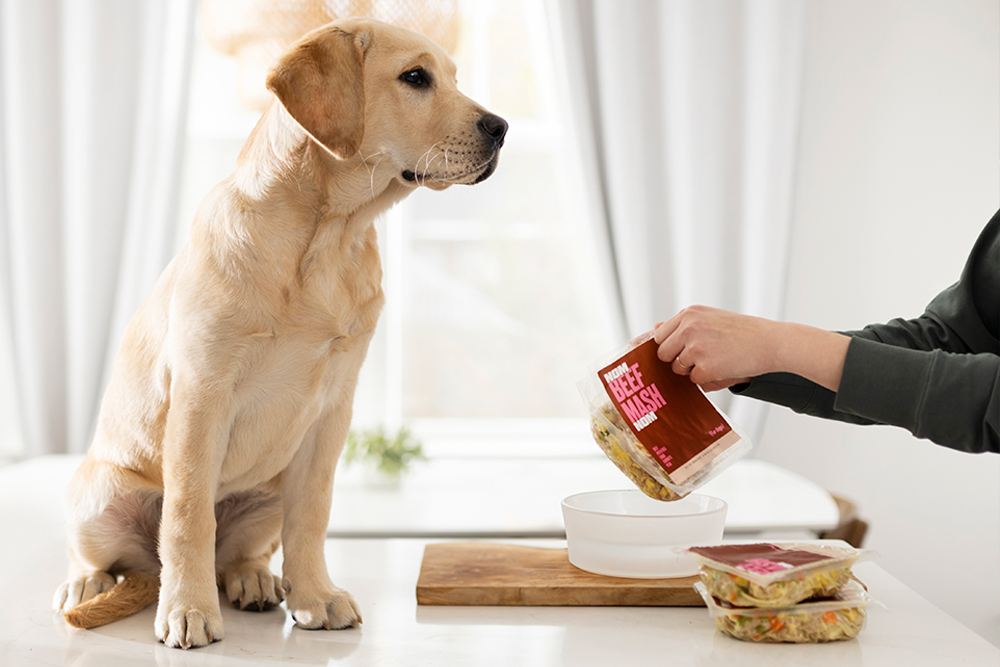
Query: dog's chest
(293, 384)
(306, 365)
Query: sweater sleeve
(951, 399)
(798, 394)
(937, 375)
(917, 374)
(805, 397)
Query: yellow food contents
(625, 451)
(741, 592)
(796, 627)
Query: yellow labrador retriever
(230, 399)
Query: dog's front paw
(335, 611)
(82, 588)
(252, 587)
(187, 626)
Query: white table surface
(382, 574)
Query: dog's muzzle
(492, 130)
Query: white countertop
(382, 575)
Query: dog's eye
(417, 78)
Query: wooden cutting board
(483, 573)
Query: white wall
(898, 174)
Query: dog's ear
(320, 82)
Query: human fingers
(672, 338)
(670, 351)
(679, 367)
(669, 344)
(663, 329)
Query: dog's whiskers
(421, 177)
(371, 168)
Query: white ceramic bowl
(628, 534)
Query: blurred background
(823, 161)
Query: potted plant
(386, 456)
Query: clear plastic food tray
(835, 619)
(774, 575)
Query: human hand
(719, 349)
(716, 348)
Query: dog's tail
(135, 592)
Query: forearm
(811, 353)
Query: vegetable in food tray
(839, 618)
(774, 575)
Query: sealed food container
(834, 619)
(774, 575)
(657, 427)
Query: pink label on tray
(762, 558)
(763, 566)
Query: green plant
(391, 454)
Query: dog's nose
(494, 127)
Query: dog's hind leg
(247, 535)
(110, 535)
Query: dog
(231, 394)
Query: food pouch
(773, 575)
(658, 427)
(833, 619)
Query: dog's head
(367, 89)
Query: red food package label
(760, 558)
(668, 414)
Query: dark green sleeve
(805, 397)
(951, 399)
(937, 375)
(798, 394)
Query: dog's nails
(287, 585)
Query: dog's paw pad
(253, 588)
(81, 589)
(339, 611)
(189, 628)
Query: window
(492, 310)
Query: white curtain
(688, 111)
(92, 107)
